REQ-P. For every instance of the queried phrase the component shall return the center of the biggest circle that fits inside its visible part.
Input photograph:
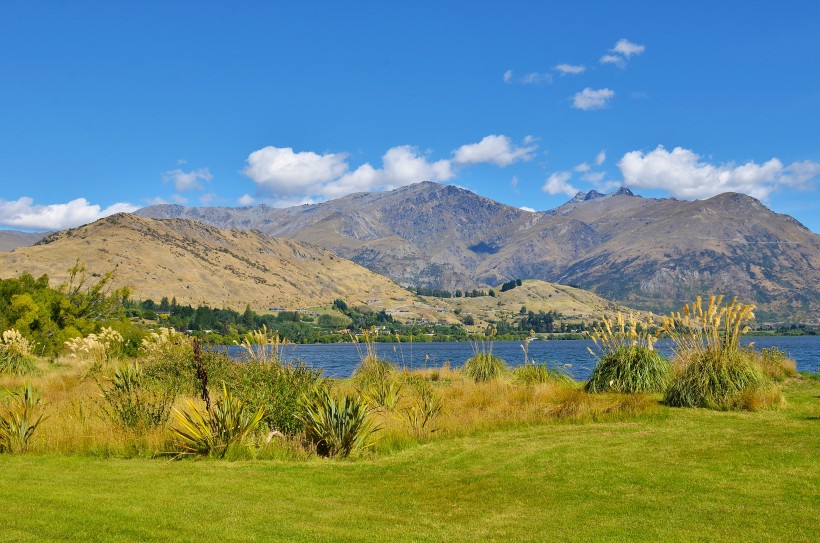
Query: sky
(112, 106)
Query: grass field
(672, 475)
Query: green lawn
(682, 475)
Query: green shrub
(276, 387)
(213, 432)
(630, 369)
(337, 427)
(718, 380)
(484, 366)
(19, 420)
(130, 404)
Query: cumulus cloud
(280, 170)
(287, 177)
(589, 98)
(627, 48)
(24, 213)
(600, 158)
(558, 183)
(524, 208)
(570, 69)
(684, 174)
(623, 51)
(246, 200)
(582, 167)
(192, 180)
(494, 149)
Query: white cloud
(558, 183)
(192, 180)
(582, 167)
(279, 170)
(24, 213)
(627, 48)
(524, 208)
(600, 158)
(536, 78)
(613, 59)
(684, 174)
(156, 201)
(208, 198)
(572, 69)
(589, 98)
(246, 200)
(508, 75)
(514, 183)
(179, 199)
(494, 149)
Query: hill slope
(650, 253)
(200, 264)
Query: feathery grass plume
(213, 432)
(16, 357)
(627, 360)
(262, 346)
(711, 370)
(337, 427)
(20, 419)
(96, 350)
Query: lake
(339, 360)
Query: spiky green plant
(421, 413)
(213, 433)
(20, 419)
(130, 404)
(337, 427)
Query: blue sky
(108, 106)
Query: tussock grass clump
(777, 364)
(630, 369)
(376, 378)
(483, 367)
(724, 381)
(98, 350)
(536, 373)
(132, 405)
(712, 370)
(16, 357)
(627, 360)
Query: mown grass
(681, 475)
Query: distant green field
(680, 475)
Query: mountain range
(654, 254)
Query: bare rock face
(651, 253)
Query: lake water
(339, 360)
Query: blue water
(339, 360)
